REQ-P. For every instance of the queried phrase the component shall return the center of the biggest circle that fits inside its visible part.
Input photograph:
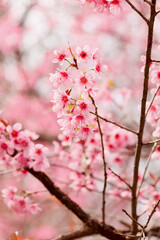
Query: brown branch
(142, 116)
(60, 195)
(83, 232)
(104, 230)
(116, 124)
(137, 10)
(152, 100)
(129, 186)
(104, 161)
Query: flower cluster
(18, 150)
(102, 5)
(19, 203)
(72, 90)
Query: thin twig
(152, 141)
(104, 161)
(28, 193)
(156, 14)
(156, 61)
(146, 167)
(148, 2)
(152, 100)
(116, 124)
(132, 218)
(129, 186)
(153, 211)
(137, 10)
(8, 171)
(149, 218)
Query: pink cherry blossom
(83, 53)
(59, 56)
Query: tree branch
(148, 2)
(152, 141)
(104, 162)
(156, 61)
(137, 10)
(129, 186)
(149, 218)
(142, 116)
(104, 230)
(116, 124)
(83, 232)
(132, 218)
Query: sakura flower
(95, 55)
(86, 80)
(9, 194)
(60, 79)
(20, 160)
(83, 54)
(5, 146)
(78, 121)
(59, 56)
(40, 161)
(33, 208)
(65, 139)
(14, 131)
(155, 77)
(83, 106)
(60, 100)
(99, 67)
(84, 132)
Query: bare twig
(146, 167)
(156, 14)
(8, 171)
(129, 186)
(152, 100)
(148, 2)
(104, 161)
(116, 124)
(156, 61)
(149, 218)
(132, 218)
(152, 142)
(137, 10)
(153, 211)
